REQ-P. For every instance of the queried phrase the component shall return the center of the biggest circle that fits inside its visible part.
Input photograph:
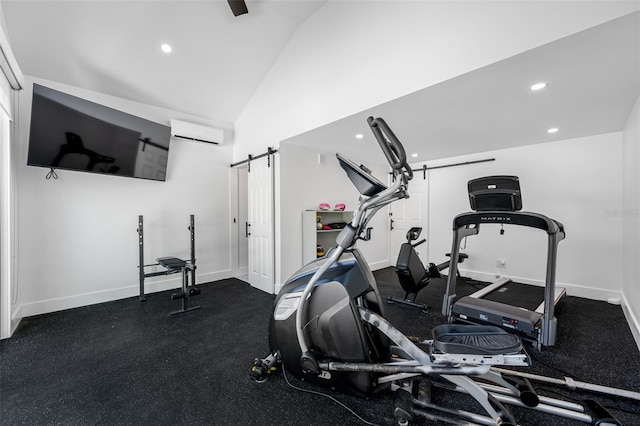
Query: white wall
(77, 234)
(630, 215)
(350, 56)
(304, 185)
(577, 182)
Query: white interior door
(261, 224)
(407, 213)
(243, 220)
(5, 226)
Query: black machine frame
(190, 266)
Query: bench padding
(171, 263)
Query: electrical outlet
(501, 263)
(322, 159)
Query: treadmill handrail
(530, 219)
(467, 224)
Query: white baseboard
(15, 322)
(241, 271)
(152, 285)
(379, 265)
(632, 320)
(572, 289)
(156, 285)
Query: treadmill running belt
(516, 294)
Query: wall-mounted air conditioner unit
(196, 132)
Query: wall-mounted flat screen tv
(71, 133)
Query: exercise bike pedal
(194, 291)
(434, 272)
(176, 296)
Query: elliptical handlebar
(391, 147)
(367, 207)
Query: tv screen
(71, 133)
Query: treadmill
(523, 309)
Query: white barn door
(243, 221)
(407, 213)
(261, 224)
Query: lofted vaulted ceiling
(114, 47)
(219, 60)
(593, 82)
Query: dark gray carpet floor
(129, 363)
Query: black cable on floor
(284, 373)
(559, 370)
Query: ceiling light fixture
(166, 48)
(538, 86)
(553, 130)
(359, 136)
(414, 155)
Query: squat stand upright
(172, 265)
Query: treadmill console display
(495, 193)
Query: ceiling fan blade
(238, 7)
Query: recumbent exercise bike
(327, 326)
(412, 274)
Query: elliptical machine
(328, 325)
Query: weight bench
(174, 265)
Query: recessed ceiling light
(166, 48)
(552, 130)
(414, 155)
(538, 86)
(359, 136)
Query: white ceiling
(593, 82)
(218, 61)
(113, 47)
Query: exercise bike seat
(172, 264)
(474, 340)
(412, 274)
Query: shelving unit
(312, 236)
